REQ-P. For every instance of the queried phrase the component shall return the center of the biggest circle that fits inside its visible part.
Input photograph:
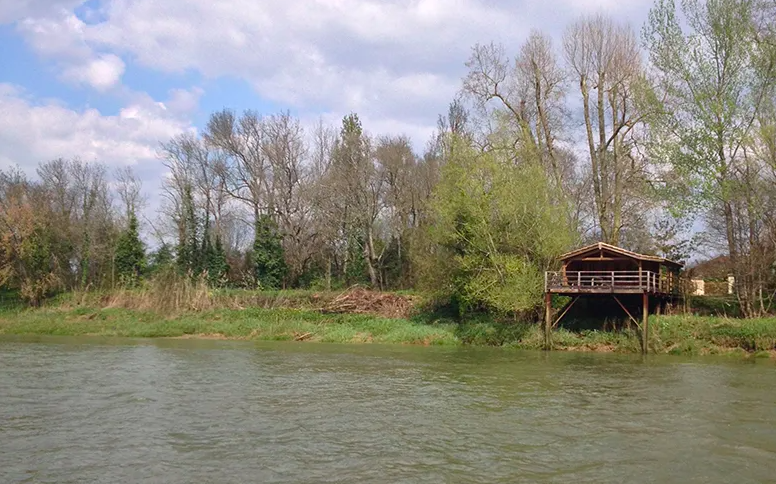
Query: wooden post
(641, 281)
(645, 324)
(547, 321)
(565, 279)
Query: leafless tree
(130, 190)
(604, 61)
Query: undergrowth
(186, 309)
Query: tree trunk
(371, 259)
(594, 161)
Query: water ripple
(72, 410)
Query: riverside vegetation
(190, 310)
(680, 132)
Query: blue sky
(108, 80)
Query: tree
(161, 259)
(355, 195)
(604, 62)
(130, 253)
(188, 252)
(716, 75)
(268, 263)
(217, 265)
(495, 231)
(130, 191)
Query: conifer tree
(130, 253)
(217, 265)
(188, 251)
(268, 262)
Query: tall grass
(172, 294)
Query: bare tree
(246, 168)
(286, 152)
(603, 59)
(543, 79)
(130, 190)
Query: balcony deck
(609, 282)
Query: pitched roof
(717, 267)
(621, 251)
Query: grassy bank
(691, 335)
(253, 323)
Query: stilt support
(626, 310)
(568, 308)
(645, 324)
(548, 321)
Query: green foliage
(161, 259)
(217, 266)
(188, 251)
(715, 305)
(269, 266)
(37, 277)
(695, 334)
(489, 333)
(396, 264)
(711, 86)
(356, 270)
(130, 253)
(495, 230)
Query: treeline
(677, 129)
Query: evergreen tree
(161, 259)
(188, 251)
(268, 263)
(217, 267)
(130, 253)
(356, 270)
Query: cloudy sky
(107, 80)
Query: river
(79, 410)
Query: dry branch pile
(363, 301)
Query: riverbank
(688, 335)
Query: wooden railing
(608, 280)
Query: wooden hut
(603, 269)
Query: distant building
(712, 277)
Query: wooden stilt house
(603, 269)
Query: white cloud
(13, 10)
(184, 101)
(102, 72)
(398, 61)
(63, 38)
(33, 132)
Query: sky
(108, 80)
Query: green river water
(82, 410)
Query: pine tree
(268, 263)
(188, 255)
(130, 253)
(162, 259)
(218, 267)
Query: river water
(78, 410)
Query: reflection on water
(173, 411)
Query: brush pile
(359, 300)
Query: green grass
(259, 324)
(699, 334)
